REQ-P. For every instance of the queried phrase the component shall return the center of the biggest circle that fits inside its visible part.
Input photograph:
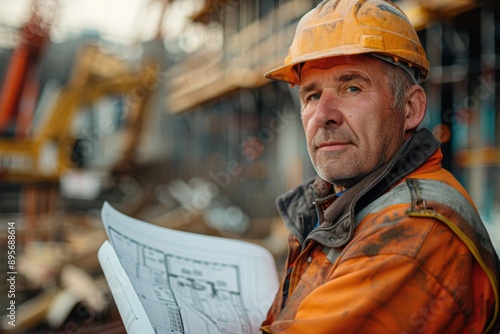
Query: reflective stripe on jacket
(395, 272)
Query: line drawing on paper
(182, 294)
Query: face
(349, 121)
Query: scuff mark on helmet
(394, 11)
(359, 5)
(326, 7)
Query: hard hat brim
(289, 74)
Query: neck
(338, 189)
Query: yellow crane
(46, 155)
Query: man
(384, 240)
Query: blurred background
(160, 107)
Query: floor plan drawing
(209, 287)
(174, 287)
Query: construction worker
(384, 240)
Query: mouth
(332, 146)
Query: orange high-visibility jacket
(403, 251)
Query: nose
(327, 111)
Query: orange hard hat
(351, 27)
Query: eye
(305, 99)
(353, 89)
(313, 97)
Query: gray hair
(399, 83)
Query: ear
(415, 107)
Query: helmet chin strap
(413, 72)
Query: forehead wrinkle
(352, 77)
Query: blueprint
(184, 282)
